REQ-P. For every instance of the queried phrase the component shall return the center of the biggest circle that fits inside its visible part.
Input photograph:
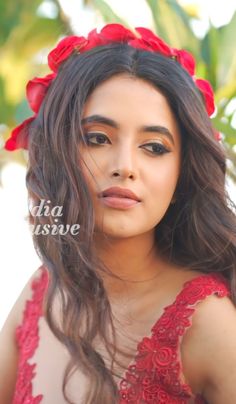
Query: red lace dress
(154, 376)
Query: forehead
(129, 89)
(131, 101)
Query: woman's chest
(51, 357)
(133, 324)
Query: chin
(118, 232)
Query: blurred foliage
(26, 36)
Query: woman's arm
(8, 346)
(8, 359)
(209, 351)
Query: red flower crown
(36, 89)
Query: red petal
(116, 32)
(145, 33)
(217, 136)
(36, 90)
(157, 43)
(206, 89)
(186, 60)
(140, 44)
(95, 39)
(64, 49)
(161, 47)
(19, 136)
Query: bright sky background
(18, 258)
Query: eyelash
(162, 149)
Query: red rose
(156, 43)
(186, 60)
(19, 136)
(160, 46)
(95, 39)
(163, 356)
(206, 89)
(36, 90)
(109, 33)
(139, 43)
(64, 49)
(116, 32)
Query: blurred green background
(30, 28)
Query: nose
(123, 163)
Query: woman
(140, 302)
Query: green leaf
(226, 129)
(153, 5)
(26, 40)
(226, 91)
(6, 109)
(172, 23)
(209, 53)
(227, 60)
(11, 15)
(108, 13)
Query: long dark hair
(198, 230)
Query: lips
(119, 193)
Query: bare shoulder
(209, 350)
(8, 346)
(26, 294)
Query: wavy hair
(198, 230)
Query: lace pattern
(154, 376)
(27, 340)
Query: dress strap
(156, 374)
(193, 292)
(27, 339)
(177, 318)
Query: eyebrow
(162, 130)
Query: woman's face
(137, 146)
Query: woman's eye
(101, 139)
(157, 148)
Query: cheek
(88, 165)
(163, 181)
(88, 173)
(91, 164)
(92, 172)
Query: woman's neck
(135, 260)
